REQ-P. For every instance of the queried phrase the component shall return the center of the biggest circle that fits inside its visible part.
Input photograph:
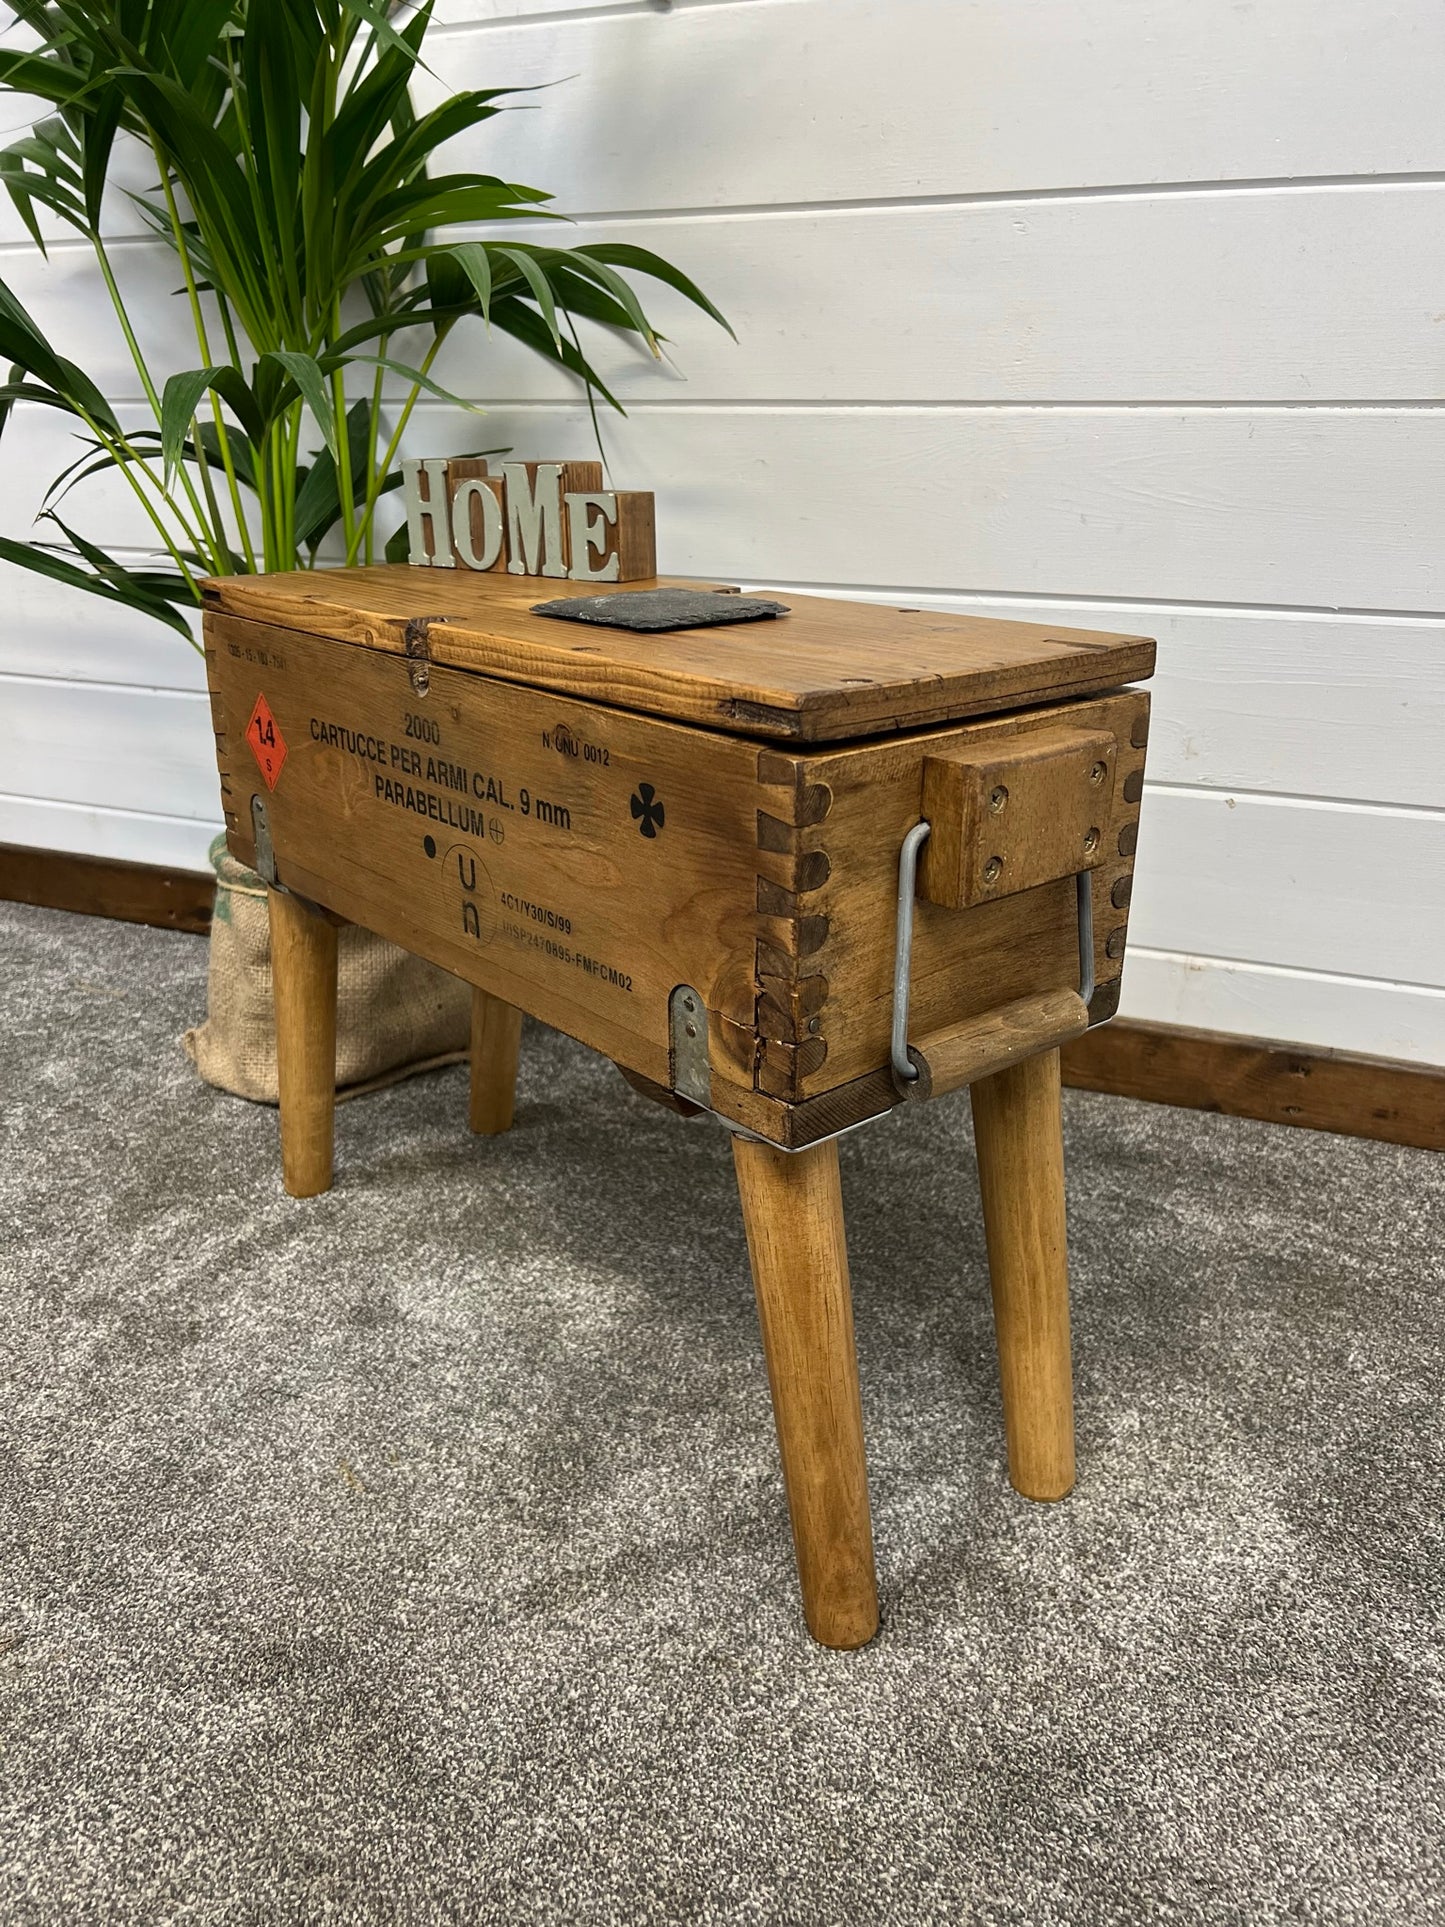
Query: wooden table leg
(1018, 1129)
(496, 1039)
(303, 974)
(793, 1212)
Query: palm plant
(317, 255)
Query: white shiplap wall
(1106, 312)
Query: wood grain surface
(100, 887)
(303, 977)
(1013, 815)
(1018, 1130)
(827, 670)
(492, 828)
(980, 1047)
(1279, 1083)
(793, 1214)
(580, 862)
(839, 817)
(496, 1043)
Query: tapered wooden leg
(303, 973)
(1018, 1129)
(793, 1212)
(496, 1039)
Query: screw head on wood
(1091, 842)
(997, 798)
(1098, 772)
(993, 869)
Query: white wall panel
(1333, 507)
(172, 842)
(49, 630)
(63, 291)
(775, 101)
(1201, 296)
(473, 13)
(146, 750)
(39, 444)
(1310, 1007)
(1352, 889)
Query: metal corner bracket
(265, 849)
(687, 1034)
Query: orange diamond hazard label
(268, 745)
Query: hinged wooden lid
(827, 672)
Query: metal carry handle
(980, 1045)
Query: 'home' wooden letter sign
(535, 518)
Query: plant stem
(228, 326)
(383, 468)
(147, 384)
(126, 457)
(203, 342)
(344, 489)
(294, 429)
(267, 471)
(372, 483)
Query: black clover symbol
(647, 810)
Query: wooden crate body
(582, 860)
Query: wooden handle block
(980, 1046)
(1016, 812)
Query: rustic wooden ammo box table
(696, 852)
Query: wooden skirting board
(1199, 1070)
(1281, 1083)
(100, 887)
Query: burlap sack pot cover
(395, 1013)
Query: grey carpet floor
(418, 1553)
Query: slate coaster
(651, 609)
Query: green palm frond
(297, 188)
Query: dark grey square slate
(653, 609)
